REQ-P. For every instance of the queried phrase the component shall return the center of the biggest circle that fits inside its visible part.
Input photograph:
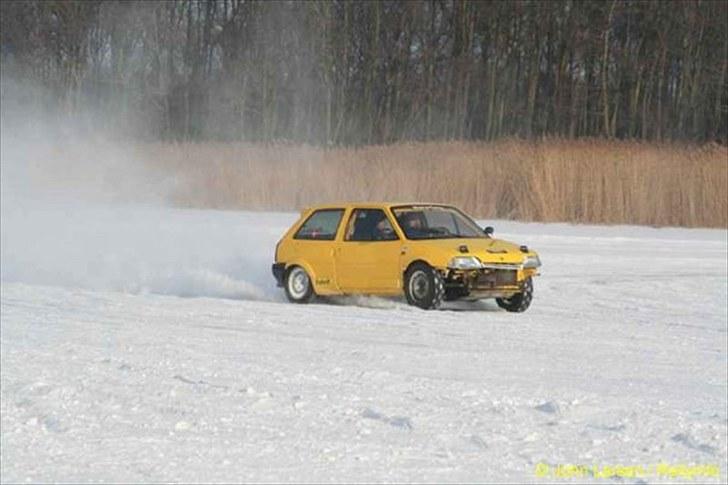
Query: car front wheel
(423, 286)
(520, 301)
(298, 285)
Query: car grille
(505, 277)
(500, 277)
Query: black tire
(298, 285)
(423, 286)
(520, 301)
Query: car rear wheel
(298, 285)
(520, 301)
(423, 286)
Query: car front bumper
(502, 282)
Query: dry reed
(583, 181)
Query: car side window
(321, 225)
(369, 225)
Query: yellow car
(429, 252)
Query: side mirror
(488, 230)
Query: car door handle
(403, 250)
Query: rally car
(428, 252)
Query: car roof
(371, 205)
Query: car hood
(486, 249)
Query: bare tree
(345, 72)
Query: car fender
(435, 258)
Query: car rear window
(321, 225)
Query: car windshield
(435, 222)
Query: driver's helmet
(412, 220)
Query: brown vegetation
(583, 181)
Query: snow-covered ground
(144, 344)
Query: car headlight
(531, 262)
(465, 262)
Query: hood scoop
(497, 251)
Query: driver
(383, 230)
(412, 225)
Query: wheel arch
(414, 262)
(307, 267)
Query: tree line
(334, 72)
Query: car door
(314, 243)
(367, 256)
